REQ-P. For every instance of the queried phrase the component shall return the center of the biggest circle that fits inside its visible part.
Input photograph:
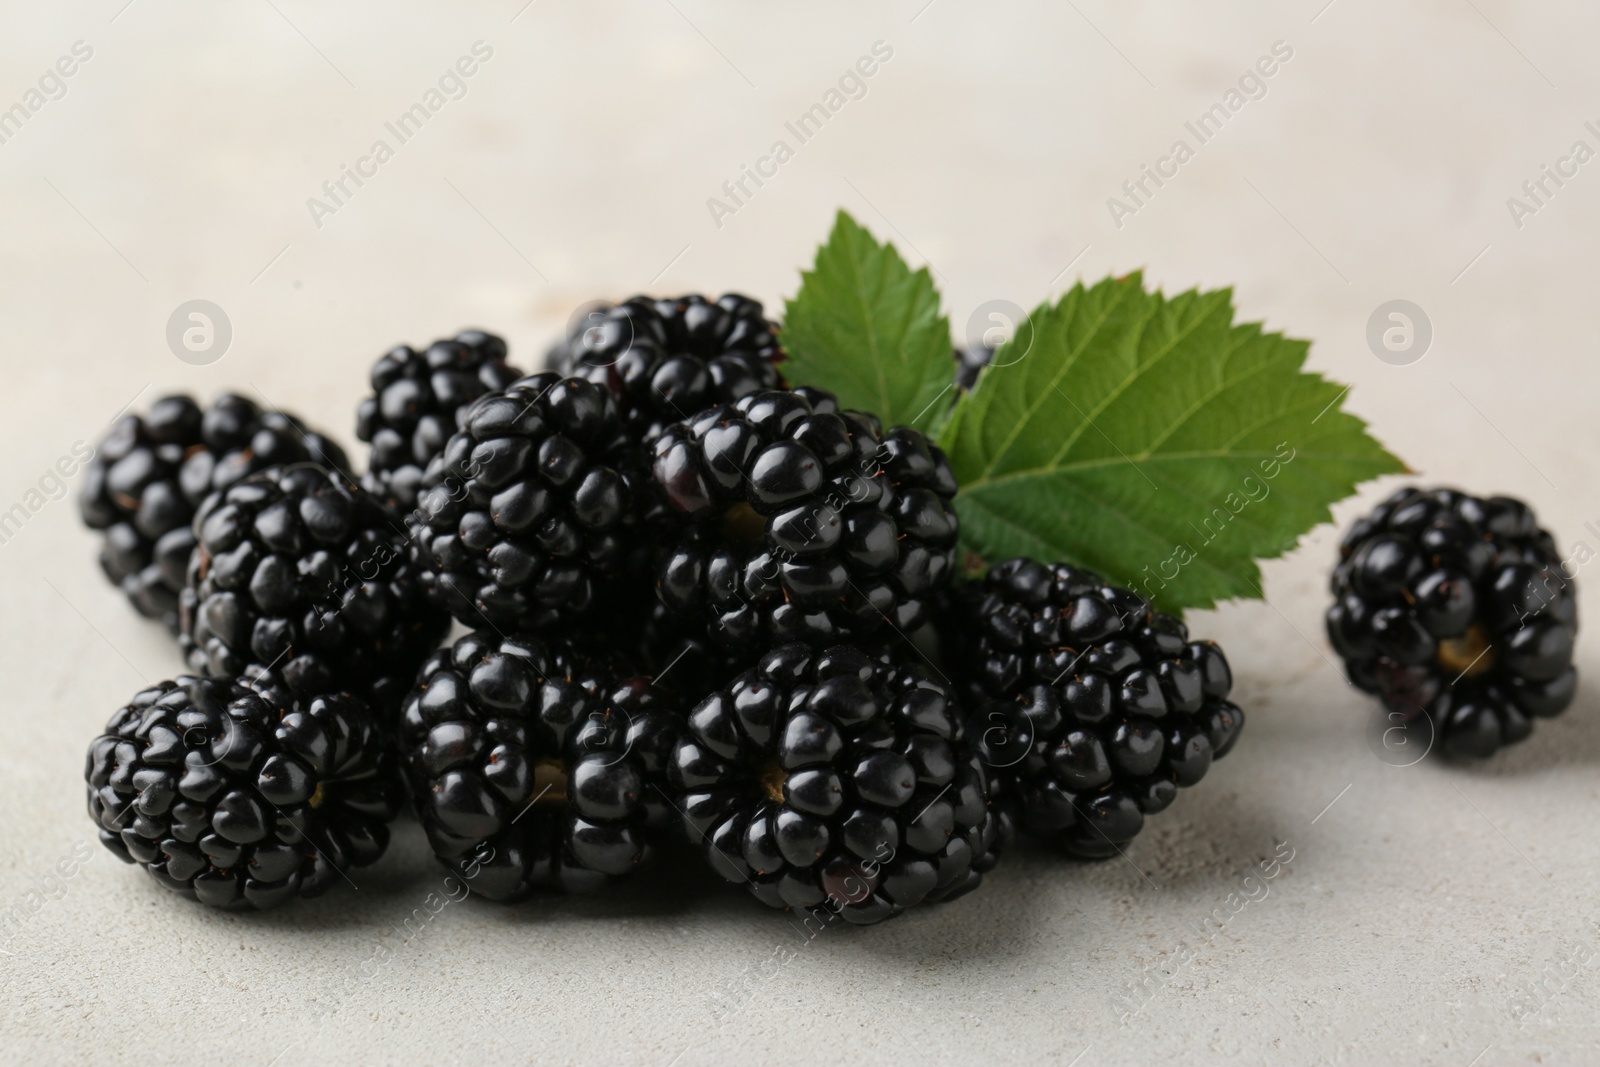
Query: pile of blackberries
(694, 606)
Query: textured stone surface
(1417, 909)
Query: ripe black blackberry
(238, 794)
(414, 406)
(1457, 608)
(298, 570)
(802, 522)
(1090, 708)
(525, 512)
(840, 778)
(667, 360)
(534, 770)
(151, 472)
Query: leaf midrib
(869, 325)
(1044, 394)
(1113, 461)
(1055, 466)
(868, 273)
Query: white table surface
(1417, 907)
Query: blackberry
(667, 360)
(151, 472)
(837, 778)
(1457, 608)
(527, 509)
(299, 570)
(970, 362)
(413, 409)
(1090, 708)
(238, 794)
(534, 768)
(802, 522)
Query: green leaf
(1155, 441)
(867, 328)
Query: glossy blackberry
(534, 770)
(151, 472)
(1090, 708)
(799, 521)
(298, 570)
(526, 512)
(667, 360)
(240, 795)
(1457, 608)
(416, 398)
(834, 778)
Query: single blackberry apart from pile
(837, 778)
(667, 360)
(298, 570)
(525, 513)
(1090, 708)
(1457, 608)
(413, 409)
(800, 521)
(533, 770)
(238, 794)
(151, 472)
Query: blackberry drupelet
(414, 406)
(836, 777)
(802, 522)
(151, 472)
(1457, 608)
(238, 794)
(1090, 708)
(526, 512)
(533, 769)
(668, 360)
(298, 570)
